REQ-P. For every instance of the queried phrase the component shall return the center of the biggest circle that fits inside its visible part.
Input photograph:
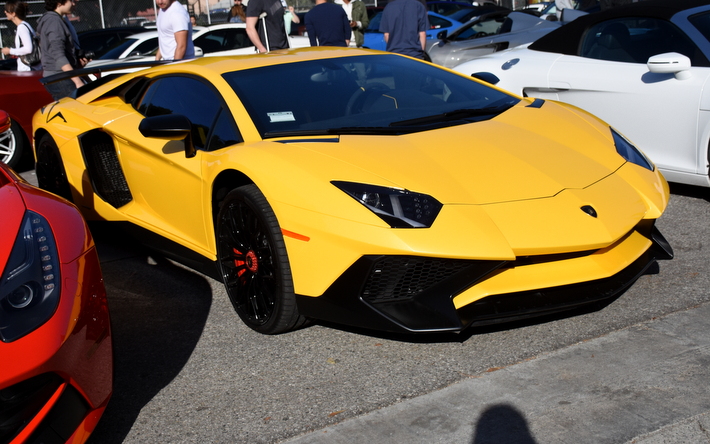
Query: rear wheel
(12, 145)
(49, 168)
(253, 262)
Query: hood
(525, 153)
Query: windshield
(117, 50)
(702, 23)
(373, 94)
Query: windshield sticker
(283, 116)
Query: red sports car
(56, 356)
(21, 95)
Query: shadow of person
(158, 312)
(502, 424)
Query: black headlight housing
(30, 283)
(629, 152)
(399, 208)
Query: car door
(610, 78)
(167, 187)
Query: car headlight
(29, 289)
(629, 152)
(399, 208)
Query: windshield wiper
(459, 114)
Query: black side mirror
(442, 35)
(169, 127)
(486, 77)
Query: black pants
(61, 89)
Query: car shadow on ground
(690, 191)
(158, 312)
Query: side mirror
(487, 77)
(442, 35)
(169, 127)
(670, 63)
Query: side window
(634, 40)
(194, 99)
(225, 132)
(146, 47)
(211, 42)
(237, 38)
(438, 22)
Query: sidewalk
(647, 384)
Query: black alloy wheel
(253, 263)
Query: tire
(253, 263)
(12, 145)
(49, 168)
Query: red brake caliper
(249, 260)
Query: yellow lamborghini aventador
(360, 187)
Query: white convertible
(643, 68)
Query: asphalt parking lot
(187, 370)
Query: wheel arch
(38, 134)
(225, 182)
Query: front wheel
(12, 145)
(253, 263)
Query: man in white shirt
(174, 31)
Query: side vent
(104, 169)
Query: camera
(88, 55)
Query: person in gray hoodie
(57, 47)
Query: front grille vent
(20, 403)
(397, 278)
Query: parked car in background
(56, 371)
(487, 34)
(644, 68)
(589, 6)
(20, 96)
(221, 39)
(447, 7)
(536, 7)
(98, 41)
(465, 15)
(431, 201)
(374, 39)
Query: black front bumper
(414, 294)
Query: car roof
(565, 39)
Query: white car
(644, 68)
(214, 40)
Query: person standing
(16, 12)
(357, 15)
(237, 13)
(328, 25)
(57, 47)
(404, 24)
(564, 4)
(174, 31)
(274, 36)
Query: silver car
(487, 34)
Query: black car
(97, 42)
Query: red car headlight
(30, 284)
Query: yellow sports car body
(360, 187)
